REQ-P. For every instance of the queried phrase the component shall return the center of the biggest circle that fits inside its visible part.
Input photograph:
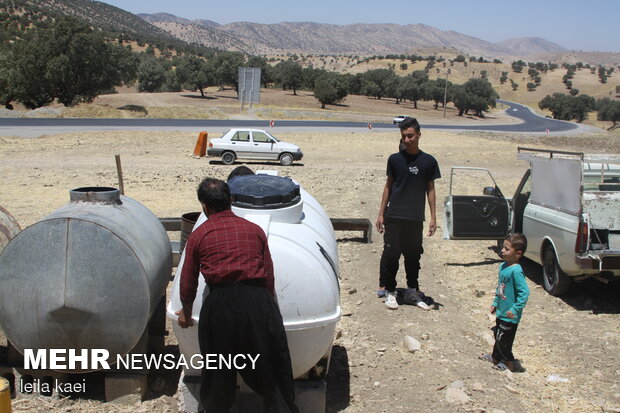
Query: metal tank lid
(263, 192)
(101, 194)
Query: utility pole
(445, 94)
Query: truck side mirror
(488, 191)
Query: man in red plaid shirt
(240, 315)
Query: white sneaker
(390, 300)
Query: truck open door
(468, 216)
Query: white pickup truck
(567, 205)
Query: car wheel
(555, 281)
(228, 158)
(286, 159)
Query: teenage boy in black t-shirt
(411, 174)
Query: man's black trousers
(238, 318)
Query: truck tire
(555, 281)
(228, 158)
(286, 159)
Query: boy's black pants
(401, 237)
(504, 337)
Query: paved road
(34, 127)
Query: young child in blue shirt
(510, 298)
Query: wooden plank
(339, 224)
(354, 224)
(171, 224)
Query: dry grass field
(278, 104)
(275, 104)
(576, 337)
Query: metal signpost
(249, 85)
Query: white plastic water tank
(305, 256)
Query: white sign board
(249, 85)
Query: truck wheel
(228, 158)
(555, 281)
(286, 159)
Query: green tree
(290, 74)
(461, 99)
(376, 82)
(420, 77)
(602, 74)
(608, 110)
(225, 68)
(27, 66)
(518, 66)
(574, 92)
(531, 86)
(82, 63)
(409, 89)
(171, 82)
(477, 95)
(514, 85)
(436, 89)
(194, 74)
(565, 107)
(265, 73)
(6, 93)
(503, 78)
(309, 76)
(330, 88)
(68, 61)
(151, 75)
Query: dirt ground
(275, 104)
(576, 337)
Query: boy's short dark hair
(215, 194)
(409, 123)
(518, 241)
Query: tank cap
(263, 192)
(100, 194)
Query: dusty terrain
(274, 104)
(576, 337)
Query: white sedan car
(398, 119)
(253, 144)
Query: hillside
(365, 39)
(527, 46)
(213, 38)
(167, 17)
(97, 14)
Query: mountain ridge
(359, 38)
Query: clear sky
(586, 25)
